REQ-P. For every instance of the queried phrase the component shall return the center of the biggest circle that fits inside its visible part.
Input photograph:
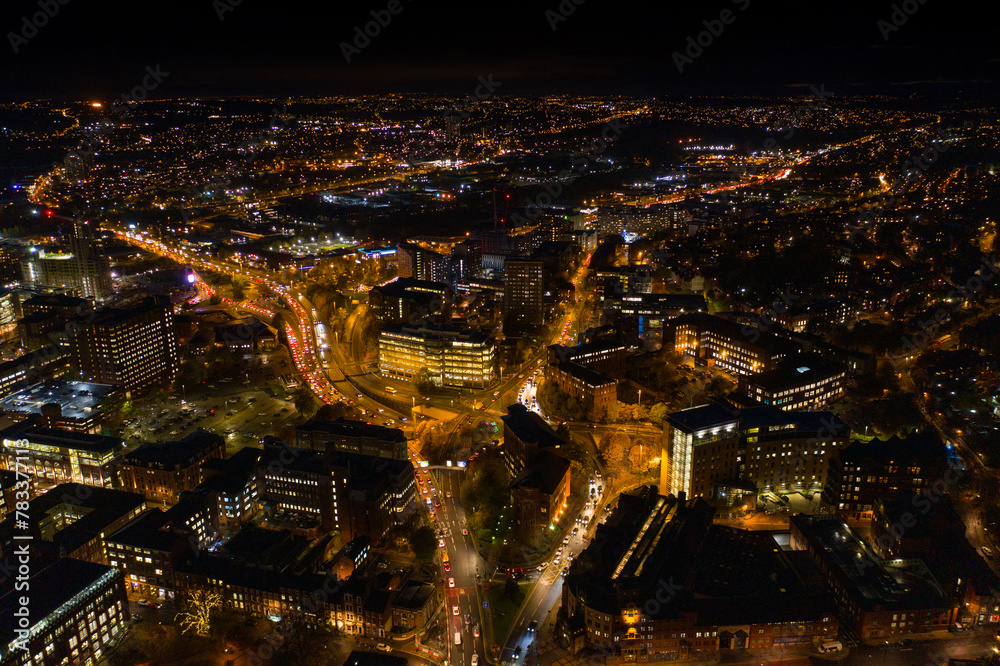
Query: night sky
(94, 49)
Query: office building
(84, 270)
(408, 301)
(145, 551)
(646, 315)
(354, 494)
(735, 348)
(57, 456)
(76, 610)
(72, 520)
(423, 264)
(717, 452)
(46, 315)
(352, 437)
(523, 296)
(453, 357)
(790, 451)
(865, 472)
(232, 485)
(801, 382)
(702, 447)
(49, 361)
(135, 348)
(162, 472)
(600, 355)
(659, 582)
(593, 390)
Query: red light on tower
(50, 213)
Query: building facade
(352, 437)
(452, 357)
(523, 296)
(735, 348)
(865, 472)
(134, 348)
(77, 609)
(649, 587)
(713, 448)
(803, 382)
(58, 456)
(162, 472)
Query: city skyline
(504, 335)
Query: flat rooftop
(704, 416)
(347, 428)
(78, 400)
(797, 371)
(62, 438)
(184, 451)
(873, 581)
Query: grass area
(504, 610)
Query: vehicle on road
(475, 631)
(831, 646)
(987, 551)
(455, 611)
(382, 647)
(451, 582)
(458, 635)
(475, 659)
(533, 626)
(468, 619)
(517, 652)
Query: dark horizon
(87, 51)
